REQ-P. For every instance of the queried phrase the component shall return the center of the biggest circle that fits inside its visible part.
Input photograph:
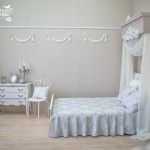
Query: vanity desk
(15, 94)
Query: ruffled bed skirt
(93, 125)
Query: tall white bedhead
(136, 35)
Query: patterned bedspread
(90, 116)
(87, 106)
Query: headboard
(140, 22)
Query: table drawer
(12, 89)
(16, 102)
(12, 95)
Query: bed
(90, 117)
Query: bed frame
(51, 105)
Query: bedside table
(15, 94)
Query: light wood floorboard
(19, 133)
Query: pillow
(137, 76)
(126, 92)
(131, 102)
(136, 81)
(40, 92)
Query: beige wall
(74, 69)
(141, 6)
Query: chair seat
(36, 100)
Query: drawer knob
(2, 90)
(20, 95)
(20, 101)
(20, 89)
(2, 96)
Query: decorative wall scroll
(5, 12)
(30, 38)
(51, 38)
(103, 38)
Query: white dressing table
(15, 94)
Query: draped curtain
(143, 124)
(138, 47)
(127, 70)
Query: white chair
(40, 94)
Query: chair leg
(48, 111)
(30, 108)
(48, 107)
(38, 109)
(27, 109)
(34, 108)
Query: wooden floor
(19, 133)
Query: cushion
(131, 102)
(126, 92)
(137, 76)
(136, 81)
(40, 93)
(35, 100)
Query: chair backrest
(42, 82)
(41, 88)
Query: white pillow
(136, 81)
(40, 92)
(126, 92)
(131, 102)
(137, 76)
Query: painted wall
(141, 6)
(75, 69)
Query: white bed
(90, 116)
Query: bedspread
(90, 116)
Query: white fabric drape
(143, 126)
(127, 70)
(131, 48)
(134, 47)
